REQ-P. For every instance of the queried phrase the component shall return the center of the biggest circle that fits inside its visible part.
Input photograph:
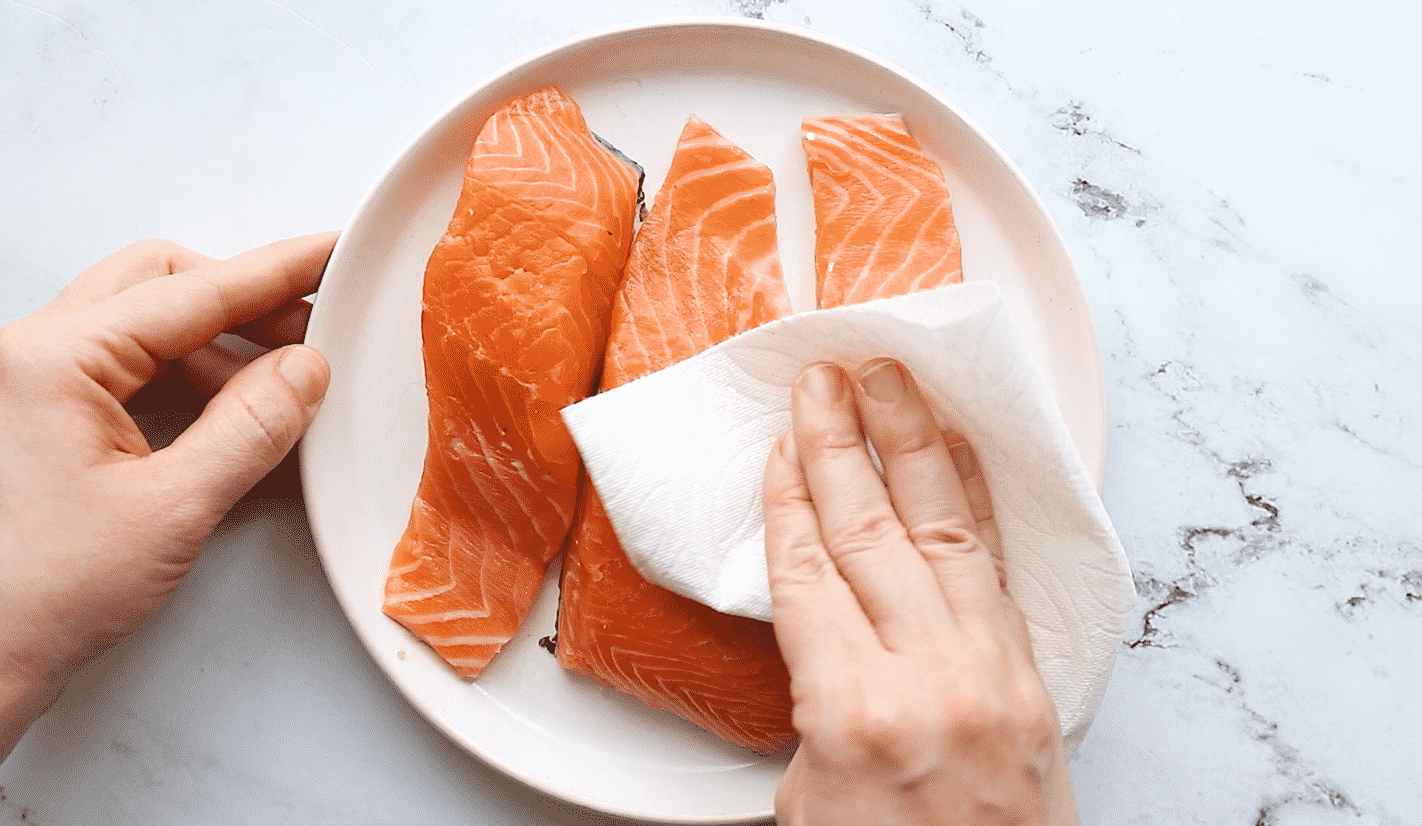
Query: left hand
(96, 528)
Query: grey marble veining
(1237, 184)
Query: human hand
(914, 689)
(96, 528)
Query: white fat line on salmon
(923, 228)
(474, 461)
(730, 203)
(868, 217)
(755, 265)
(629, 328)
(638, 662)
(472, 663)
(489, 148)
(407, 569)
(492, 456)
(738, 239)
(471, 640)
(720, 169)
(890, 165)
(541, 134)
(697, 300)
(445, 616)
(415, 596)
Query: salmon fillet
(704, 266)
(517, 298)
(884, 224)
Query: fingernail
(882, 380)
(306, 371)
(963, 460)
(787, 448)
(823, 382)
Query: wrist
(33, 673)
(24, 696)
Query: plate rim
(670, 26)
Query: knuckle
(271, 429)
(866, 537)
(21, 334)
(946, 537)
(1037, 715)
(906, 440)
(801, 562)
(208, 290)
(815, 727)
(29, 347)
(894, 738)
(830, 440)
(783, 494)
(158, 252)
(153, 247)
(1024, 721)
(885, 728)
(905, 735)
(858, 723)
(978, 719)
(826, 710)
(787, 804)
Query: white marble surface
(1236, 181)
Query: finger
(194, 379)
(918, 466)
(280, 327)
(817, 619)
(861, 530)
(975, 490)
(965, 463)
(210, 367)
(134, 264)
(992, 538)
(246, 429)
(171, 316)
(925, 487)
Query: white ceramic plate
(361, 460)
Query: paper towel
(677, 458)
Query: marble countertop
(1237, 184)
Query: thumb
(248, 427)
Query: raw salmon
(704, 266)
(517, 299)
(884, 224)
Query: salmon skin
(517, 299)
(704, 266)
(883, 222)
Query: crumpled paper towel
(677, 458)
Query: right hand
(914, 688)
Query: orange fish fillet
(517, 299)
(884, 225)
(704, 266)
